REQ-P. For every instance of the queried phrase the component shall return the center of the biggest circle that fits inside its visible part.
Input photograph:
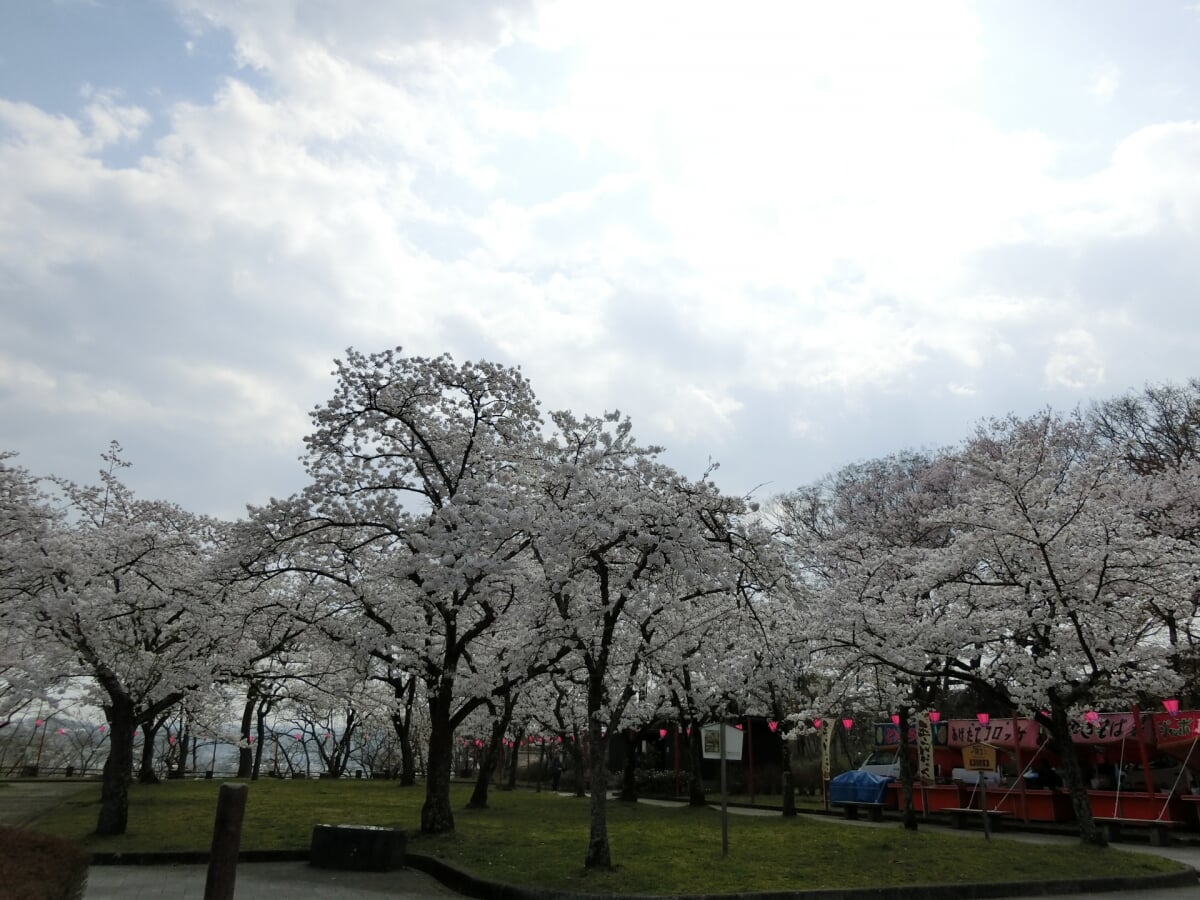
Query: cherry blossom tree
(859, 542)
(622, 540)
(1058, 577)
(25, 519)
(119, 586)
(1157, 433)
(1032, 578)
(418, 468)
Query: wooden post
(1143, 753)
(750, 756)
(675, 753)
(1020, 766)
(987, 819)
(724, 797)
(227, 837)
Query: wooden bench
(1160, 829)
(963, 814)
(851, 807)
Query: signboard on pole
(979, 757)
(712, 742)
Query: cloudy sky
(785, 236)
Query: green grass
(540, 839)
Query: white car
(991, 777)
(882, 762)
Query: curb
(473, 886)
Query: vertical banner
(826, 731)
(925, 770)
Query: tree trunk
(599, 856)
(906, 774)
(260, 734)
(185, 741)
(245, 754)
(579, 764)
(118, 769)
(629, 770)
(408, 761)
(146, 773)
(436, 815)
(695, 742)
(789, 783)
(514, 760)
(488, 761)
(402, 723)
(1077, 788)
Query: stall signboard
(1108, 728)
(979, 757)
(887, 734)
(1177, 729)
(1003, 733)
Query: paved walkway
(284, 881)
(22, 801)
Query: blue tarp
(857, 786)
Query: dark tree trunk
(146, 773)
(260, 734)
(906, 774)
(599, 855)
(408, 762)
(489, 759)
(436, 814)
(629, 770)
(338, 757)
(245, 753)
(185, 742)
(695, 743)
(402, 722)
(788, 779)
(1060, 731)
(580, 767)
(514, 760)
(118, 769)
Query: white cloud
(705, 217)
(1105, 82)
(1075, 362)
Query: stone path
(285, 881)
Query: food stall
(1021, 748)
(933, 763)
(1175, 767)
(1142, 768)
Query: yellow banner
(826, 745)
(925, 769)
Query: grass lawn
(540, 839)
